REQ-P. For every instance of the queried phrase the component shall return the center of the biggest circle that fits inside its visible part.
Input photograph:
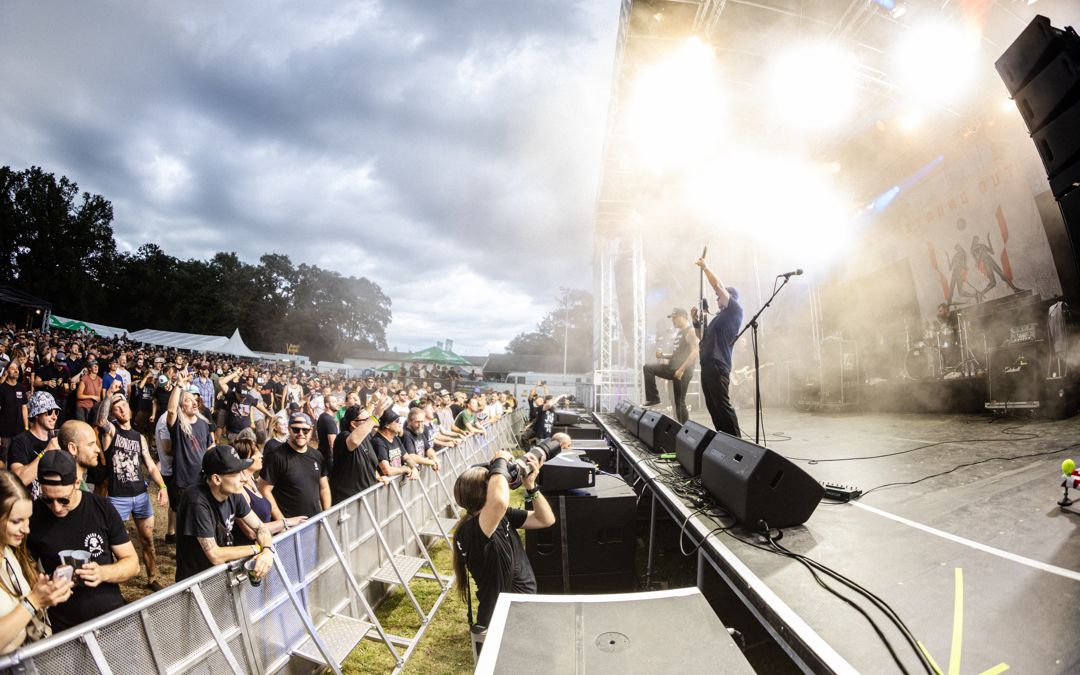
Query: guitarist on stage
(679, 367)
(717, 337)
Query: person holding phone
(23, 603)
(66, 518)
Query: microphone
(704, 250)
(788, 275)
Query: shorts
(172, 491)
(219, 419)
(138, 506)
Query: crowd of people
(94, 432)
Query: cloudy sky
(448, 151)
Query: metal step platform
(406, 564)
(340, 633)
(432, 530)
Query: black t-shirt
(544, 424)
(23, 449)
(54, 371)
(353, 471)
(326, 425)
(162, 395)
(387, 451)
(13, 399)
(415, 444)
(685, 343)
(94, 526)
(365, 393)
(295, 477)
(122, 464)
(202, 516)
(188, 452)
(455, 410)
(239, 403)
(146, 399)
(271, 445)
(497, 563)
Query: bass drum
(923, 363)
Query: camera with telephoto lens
(519, 467)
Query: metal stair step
(406, 564)
(340, 634)
(432, 530)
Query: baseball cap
(678, 311)
(56, 467)
(42, 402)
(223, 459)
(388, 417)
(299, 418)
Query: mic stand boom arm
(752, 324)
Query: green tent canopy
(389, 368)
(438, 356)
(71, 324)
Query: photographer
(487, 542)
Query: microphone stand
(753, 326)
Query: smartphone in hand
(63, 572)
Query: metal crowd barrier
(312, 609)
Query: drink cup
(249, 567)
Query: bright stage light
(788, 207)
(910, 120)
(813, 85)
(675, 108)
(1007, 105)
(935, 63)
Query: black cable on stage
(813, 566)
(1008, 431)
(967, 464)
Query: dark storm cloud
(372, 138)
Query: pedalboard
(841, 493)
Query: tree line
(58, 245)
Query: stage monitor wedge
(757, 485)
(632, 419)
(621, 409)
(565, 417)
(690, 444)
(658, 431)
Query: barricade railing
(313, 608)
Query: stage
(980, 563)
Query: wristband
(697, 324)
(40, 455)
(254, 549)
(162, 486)
(499, 466)
(533, 492)
(29, 606)
(285, 522)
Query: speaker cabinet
(690, 444)
(658, 431)
(581, 431)
(1032, 50)
(1057, 141)
(590, 548)
(755, 484)
(1051, 91)
(621, 409)
(565, 418)
(633, 418)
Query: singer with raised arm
(679, 367)
(716, 338)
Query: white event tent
(218, 344)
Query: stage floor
(981, 563)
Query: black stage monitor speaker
(621, 409)
(755, 484)
(564, 417)
(566, 472)
(581, 431)
(1032, 50)
(632, 419)
(590, 548)
(690, 444)
(658, 431)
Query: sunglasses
(52, 413)
(62, 501)
(300, 430)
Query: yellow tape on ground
(957, 624)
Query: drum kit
(940, 352)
